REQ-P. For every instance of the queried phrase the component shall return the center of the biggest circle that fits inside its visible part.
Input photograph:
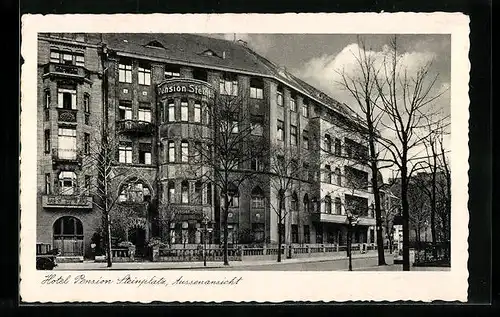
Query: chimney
(244, 43)
(223, 54)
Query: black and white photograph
(257, 155)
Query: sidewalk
(147, 265)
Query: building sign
(59, 201)
(188, 87)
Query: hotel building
(155, 91)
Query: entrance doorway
(68, 236)
(138, 238)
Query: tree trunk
(280, 233)
(405, 214)
(433, 201)
(375, 188)
(224, 224)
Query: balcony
(67, 201)
(66, 115)
(135, 127)
(342, 219)
(66, 71)
(66, 156)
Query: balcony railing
(69, 156)
(135, 126)
(62, 70)
(67, 201)
(336, 218)
(66, 115)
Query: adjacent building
(153, 94)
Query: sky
(319, 58)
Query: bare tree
(362, 86)
(224, 155)
(404, 97)
(285, 172)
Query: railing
(55, 69)
(195, 254)
(432, 254)
(66, 156)
(66, 115)
(135, 126)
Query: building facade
(155, 93)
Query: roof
(192, 49)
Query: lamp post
(352, 221)
(205, 230)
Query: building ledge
(67, 201)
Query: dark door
(138, 238)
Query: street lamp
(205, 230)
(352, 221)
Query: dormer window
(209, 53)
(155, 44)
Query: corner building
(156, 91)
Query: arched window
(67, 182)
(135, 191)
(68, 236)
(171, 192)
(257, 198)
(185, 192)
(306, 203)
(294, 204)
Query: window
(145, 115)
(124, 72)
(256, 128)
(338, 206)
(171, 72)
(328, 204)
(256, 89)
(257, 202)
(234, 199)
(125, 111)
(86, 143)
(67, 143)
(184, 110)
(328, 174)
(200, 74)
(185, 192)
(206, 112)
(280, 130)
(79, 60)
(197, 112)
(171, 192)
(86, 103)
(67, 58)
(305, 139)
(67, 182)
(305, 109)
(209, 193)
(55, 57)
(305, 170)
(258, 232)
(294, 203)
(305, 203)
(184, 151)
(328, 143)
(295, 233)
(279, 96)
(48, 190)
(47, 141)
(171, 111)
(228, 86)
(293, 104)
(338, 176)
(145, 153)
(171, 151)
(338, 148)
(135, 191)
(197, 193)
(125, 153)
(307, 234)
(256, 164)
(234, 128)
(144, 75)
(293, 135)
(66, 98)
(46, 100)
